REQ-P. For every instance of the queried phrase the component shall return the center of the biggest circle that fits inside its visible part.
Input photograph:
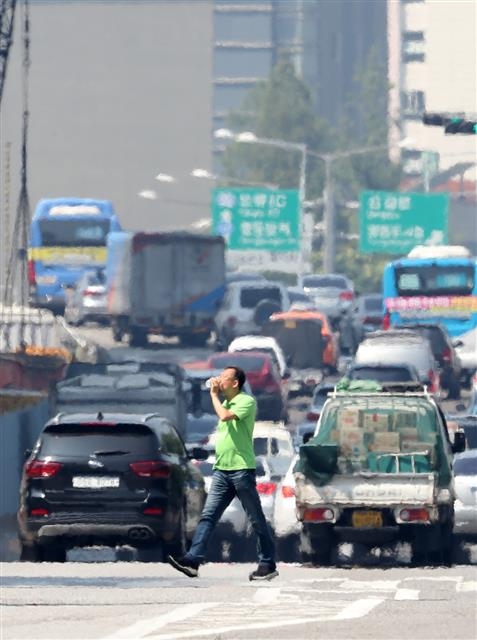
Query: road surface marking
(142, 628)
(407, 594)
(356, 609)
(359, 608)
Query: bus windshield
(435, 280)
(74, 233)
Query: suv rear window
(251, 296)
(79, 440)
(381, 374)
(327, 281)
(248, 363)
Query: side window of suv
(169, 439)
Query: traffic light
(459, 125)
(452, 123)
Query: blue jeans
(225, 486)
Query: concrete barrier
(18, 431)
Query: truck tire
(195, 339)
(138, 337)
(453, 389)
(316, 546)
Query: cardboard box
(386, 442)
(351, 441)
(374, 422)
(348, 418)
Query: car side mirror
(459, 442)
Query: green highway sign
(395, 222)
(257, 219)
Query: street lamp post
(329, 203)
(250, 138)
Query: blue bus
(432, 284)
(67, 237)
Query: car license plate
(95, 482)
(363, 519)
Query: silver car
(465, 484)
(332, 293)
(86, 301)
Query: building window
(413, 46)
(413, 104)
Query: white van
(246, 306)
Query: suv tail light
(266, 488)
(151, 469)
(386, 320)
(312, 415)
(433, 380)
(41, 469)
(39, 512)
(346, 295)
(91, 292)
(446, 354)
(31, 272)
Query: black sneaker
(184, 565)
(263, 572)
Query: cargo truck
(378, 471)
(170, 284)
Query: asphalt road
(134, 601)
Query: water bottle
(208, 383)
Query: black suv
(111, 480)
(444, 353)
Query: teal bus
(67, 237)
(432, 284)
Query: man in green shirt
(234, 475)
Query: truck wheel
(453, 388)
(316, 549)
(117, 333)
(195, 339)
(138, 337)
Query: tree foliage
(281, 108)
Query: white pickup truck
(378, 470)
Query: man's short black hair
(239, 375)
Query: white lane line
(372, 585)
(407, 594)
(470, 585)
(358, 608)
(142, 628)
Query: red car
(263, 377)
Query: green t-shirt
(234, 444)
